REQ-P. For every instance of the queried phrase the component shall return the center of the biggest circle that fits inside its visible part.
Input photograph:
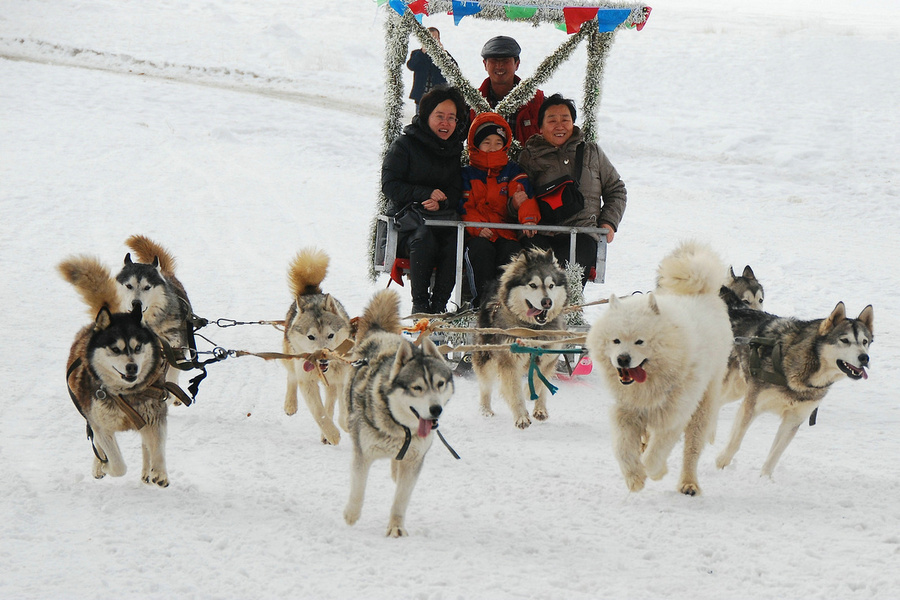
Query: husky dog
(664, 356)
(786, 366)
(152, 284)
(747, 287)
(396, 393)
(314, 322)
(531, 293)
(116, 376)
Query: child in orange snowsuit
(495, 190)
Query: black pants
(484, 260)
(430, 250)
(585, 250)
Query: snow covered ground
(236, 132)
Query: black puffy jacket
(419, 162)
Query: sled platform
(387, 261)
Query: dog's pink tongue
(865, 375)
(424, 427)
(533, 312)
(308, 366)
(638, 374)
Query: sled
(592, 22)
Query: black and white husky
(786, 366)
(151, 283)
(396, 393)
(531, 293)
(747, 287)
(315, 322)
(116, 376)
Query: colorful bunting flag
(398, 6)
(462, 8)
(419, 7)
(610, 18)
(576, 16)
(519, 12)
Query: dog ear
(651, 302)
(155, 262)
(404, 353)
(103, 320)
(128, 260)
(330, 304)
(867, 316)
(836, 316)
(731, 272)
(614, 301)
(748, 273)
(430, 349)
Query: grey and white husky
(396, 393)
(531, 293)
(315, 322)
(786, 366)
(747, 287)
(152, 284)
(116, 376)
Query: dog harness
(776, 376)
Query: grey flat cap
(501, 46)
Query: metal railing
(386, 239)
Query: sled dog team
(671, 358)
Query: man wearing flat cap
(501, 59)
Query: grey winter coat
(603, 189)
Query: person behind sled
(495, 190)
(551, 155)
(426, 75)
(421, 177)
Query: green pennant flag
(561, 26)
(520, 12)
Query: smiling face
(501, 71)
(442, 120)
(558, 124)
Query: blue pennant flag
(398, 6)
(462, 8)
(610, 18)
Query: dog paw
(523, 422)
(162, 480)
(540, 415)
(689, 488)
(396, 531)
(486, 411)
(290, 408)
(723, 460)
(635, 482)
(351, 515)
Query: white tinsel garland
(574, 272)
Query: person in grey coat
(550, 155)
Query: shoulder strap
(579, 162)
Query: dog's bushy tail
(307, 271)
(93, 281)
(146, 250)
(692, 268)
(382, 314)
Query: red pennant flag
(575, 17)
(419, 7)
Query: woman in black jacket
(421, 173)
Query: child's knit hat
(487, 129)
